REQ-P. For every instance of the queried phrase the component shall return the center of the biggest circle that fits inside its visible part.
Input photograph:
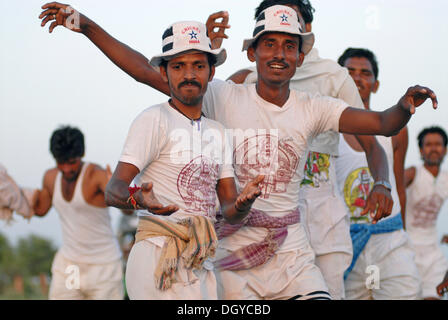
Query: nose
(356, 77)
(190, 72)
(279, 53)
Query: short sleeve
(327, 112)
(146, 136)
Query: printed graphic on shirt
(317, 168)
(357, 187)
(196, 185)
(426, 211)
(265, 154)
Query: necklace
(192, 120)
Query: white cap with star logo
(185, 36)
(280, 19)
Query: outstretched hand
(62, 14)
(217, 37)
(249, 194)
(150, 203)
(379, 204)
(416, 96)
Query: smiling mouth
(277, 66)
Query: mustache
(189, 82)
(282, 62)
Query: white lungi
(288, 275)
(399, 278)
(188, 284)
(80, 281)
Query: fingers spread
(48, 12)
(53, 25)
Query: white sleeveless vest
(425, 197)
(86, 230)
(355, 181)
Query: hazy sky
(61, 78)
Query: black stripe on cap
(167, 47)
(168, 33)
(258, 30)
(261, 16)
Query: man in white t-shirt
(267, 256)
(386, 246)
(88, 264)
(427, 190)
(178, 157)
(324, 213)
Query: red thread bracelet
(132, 191)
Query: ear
(164, 74)
(251, 54)
(300, 60)
(376, 86)
(212, 73)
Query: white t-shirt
(328, 78)
(183, 159)
(270, 140)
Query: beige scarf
(193, 239)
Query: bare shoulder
(94, 171)
(50, 179)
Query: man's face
(188, 76)
(433, 150)
(277, 56)
(70, 168)
(361, 71)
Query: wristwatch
(383, 183)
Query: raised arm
(220, 21)
(400, 145)
(236, 207)
(130, 61)
(389, 122)
(379, 203)
(118, 195)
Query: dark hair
(360, 53)
(438, 130)
(211, 61)
(67, 143)
(304, 6)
